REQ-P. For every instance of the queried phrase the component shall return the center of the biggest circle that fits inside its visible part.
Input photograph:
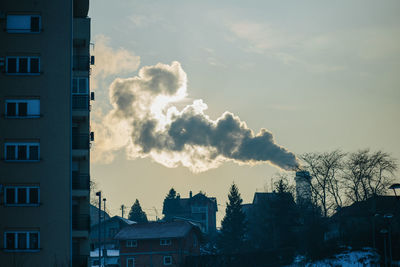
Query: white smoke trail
(146, 123)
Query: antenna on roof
(122, 210)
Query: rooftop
(154, 230)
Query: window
(167, 260)
(21, 240)
(22, 151)
(165, 242)
(21, 195)
(22, 108)
(131, 243)
(23, 23)
(130, 262)
(23, 65)
(80, 86)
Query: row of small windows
(30, 65)
(133, 242)
(22, 240)
(22, 195)
(26, 108)
(23, 65)
(22, 151)
(23, 24)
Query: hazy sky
(318, 75)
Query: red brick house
(158, 243)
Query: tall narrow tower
(303, 188)
(44, 133)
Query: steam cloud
(146, 122)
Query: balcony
(80, 102)
(79, 260)
(80, 63)
(81, 222)
(80, 181)
(80, 141)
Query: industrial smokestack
(303, 188)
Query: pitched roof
(115, 218)
(153, 230)
(370, 207)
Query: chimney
(303, 188)
(190, 193)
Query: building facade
(158, 243)
(45, 133)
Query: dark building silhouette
(361, 224)
(108, 229)
(199, 209)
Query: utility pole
(104, 232)
(122, 210)
(99, 195)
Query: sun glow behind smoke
(145, 122)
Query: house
(108, 229)
(45, 133)
(198, 209)
(158, 243)
(361, 223)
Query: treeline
(340, 179)
(276, 223)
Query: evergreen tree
(171, 194)
(136, 213)
(171, 204)
(233, 225)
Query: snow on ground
(364, 257)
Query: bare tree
(325, 169)
(368, 174)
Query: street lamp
(104, 232)
(99, 195)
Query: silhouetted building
(361, 223)
(94, 215)
(44, 136)
(158, 243)
(108, 229)
(199, 209)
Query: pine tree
(136, 213)
(233, 225)
(171, 194)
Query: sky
(189, 93)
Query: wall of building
(52, 130)
(151, 252)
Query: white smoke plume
(145, 121)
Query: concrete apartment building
(44, 133)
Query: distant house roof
(154, 230)
(116, 218)
(94, 215)
(183, 205)
(370, 207)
